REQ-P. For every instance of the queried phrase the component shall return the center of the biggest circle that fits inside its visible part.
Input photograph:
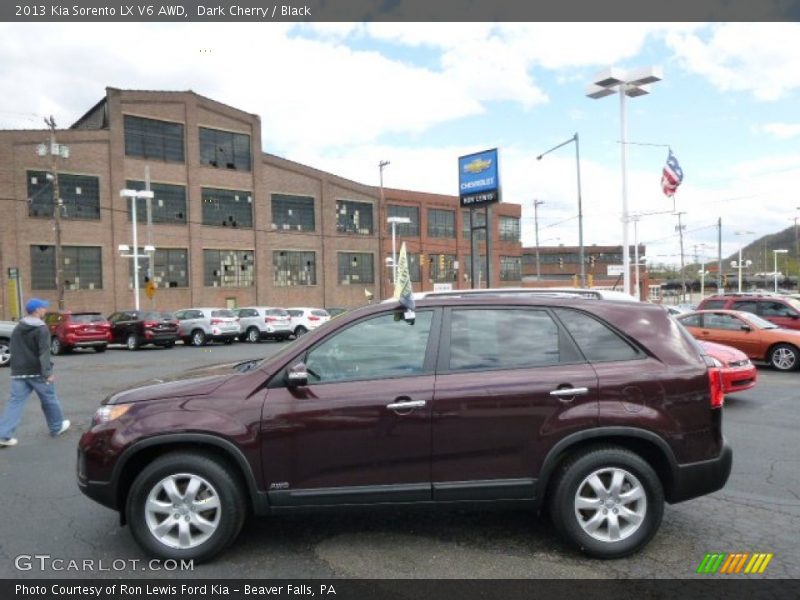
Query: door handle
(406, 405)
(569, 392)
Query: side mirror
(747, 328)
(297, 375)
(794, 316)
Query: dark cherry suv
(598, 411)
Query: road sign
(615, 270)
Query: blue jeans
(20, 391)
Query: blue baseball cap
(35, 304)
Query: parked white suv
(260, 322)
(305, 319)
(198, 326)
(6, 327)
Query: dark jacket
(30, 349)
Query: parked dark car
(598, 411)
(783, 311)
(139, 328)
(70, 330)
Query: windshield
(760, 323)
(88, 318)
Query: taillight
(313, 318)
(715, 388)
(270, 319)
(216, 321)
(150, 324)
(73, 327)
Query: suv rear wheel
(185, 506)
(132, 342)
(784, 357)
(5, 353)
(300, 330)
(198, 337)
(607, 501)
(253, 335)
(55, 346)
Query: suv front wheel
(185, 506)
(607, 501)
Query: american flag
(671, 176)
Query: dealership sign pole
(479, 185)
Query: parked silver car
(305, 319)
(264, 322)
(6, 327)
(199, 326)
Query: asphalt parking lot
(44, 513)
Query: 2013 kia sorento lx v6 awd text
(597, 411)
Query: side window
(746, 305)
(194, 314)
(596, 339)
(721, 321)
(713, 304)
(776, 309)
(180, 315)
(502, 339)
(692, 321)
(377, 348)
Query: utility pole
(382, 267)
(683, 271)
(58, 206)
(536, 204)
(150, 255)
(720, 288)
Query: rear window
(247, 312)
(596, 339)
(295, 313)
(320, 313)
(712, 304)
(277, 312)
(87, 318)
(152, 315)
(225, 313)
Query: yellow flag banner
(402, 287)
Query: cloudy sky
(342, 97)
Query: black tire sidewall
(232, 505)
(575, 471)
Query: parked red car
(738, 373)
(70, 330)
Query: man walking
(31, 371)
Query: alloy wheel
(610, 504)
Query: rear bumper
(700, 478)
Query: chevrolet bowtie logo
(477, 165)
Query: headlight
(109, 412)
(717, 363)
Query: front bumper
(101, 492)
(697, 479)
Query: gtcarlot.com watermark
(48, 562)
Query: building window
(82, 268)
(442, 223)
(355, 268)
(80, 195)
(509, 229)
(227, 208)
(443, 269)
(478, 219)
(224, 149)
(149, 138)
(292, 213)
(354, 217)
(170, 268)
(294, 268)
(414, 266)
(228, 268)
(510, 268)
(480, 269)
(168, 204)
(404, 229)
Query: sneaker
(8, 442)
(64, 426)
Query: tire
(170, 344)
(158, 531)
(5, 353)
(187, 341)
(603, 465)
(100, 349)
(198, 338)
(300, 330)
(784, 357)
(227, 341)
(56, 348)
(132, 342)
(253, 335)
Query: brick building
(231, 225)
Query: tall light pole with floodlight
(395, 221)
(775, 263)
(631, 84)
(135, 196)
(581, 257)
(739, 263)
(536, 204)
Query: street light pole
(739, 264)
(581, 257)
(134, 196)
(381, 165)
(536, 204)
(633, 84)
